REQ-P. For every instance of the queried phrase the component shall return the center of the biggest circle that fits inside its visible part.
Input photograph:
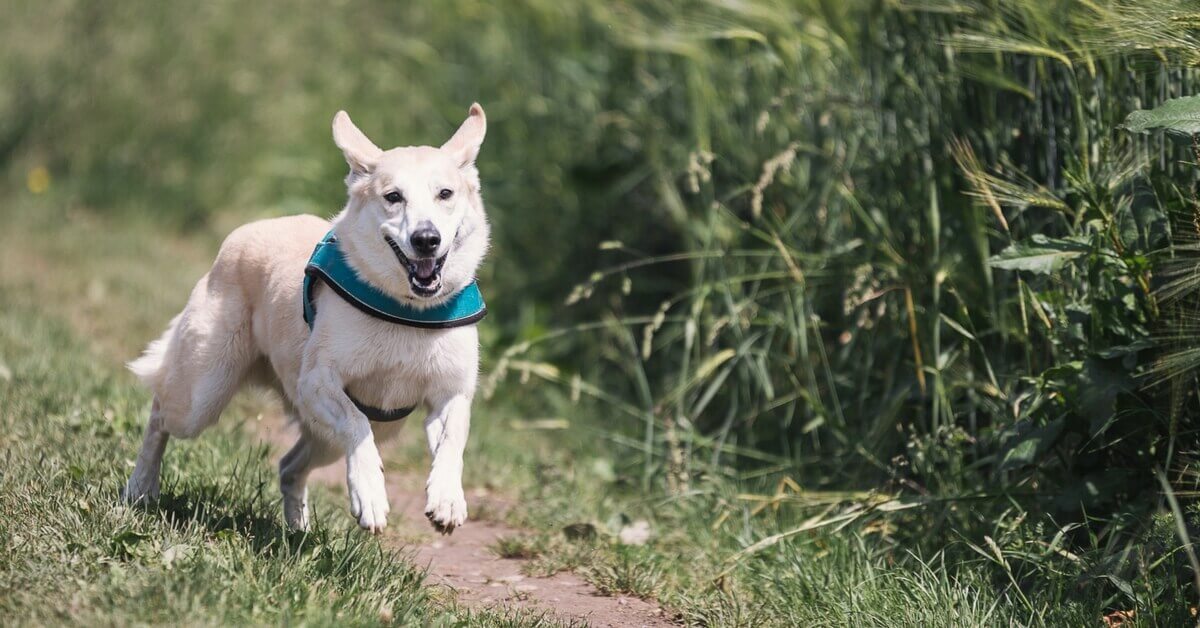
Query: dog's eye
(393, 197)
(445, 193)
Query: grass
(514, 547)
(73, 418)
(632, 572)
(858, 574)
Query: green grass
(860, 574)
(72, 423)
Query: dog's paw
(137, 491)
(368, 496)
(295, 510)
(445, 506)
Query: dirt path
(464, 563)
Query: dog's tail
(148, 367)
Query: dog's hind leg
(144, 482)
(209, 355)
(307, 454)
(193, 370)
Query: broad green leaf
(1180, 115)
(1039, 255)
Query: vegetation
(878, 311)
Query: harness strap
(329, 265)
(379, 415)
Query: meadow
(879, 312)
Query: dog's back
(253, 286)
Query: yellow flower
(38, 180)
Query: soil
(463, 563)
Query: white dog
(396, 330)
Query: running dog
(355, 322)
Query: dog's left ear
(464, 146)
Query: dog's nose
(425, 240)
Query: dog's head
(414, 224)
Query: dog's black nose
(425, 240)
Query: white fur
(243, 323)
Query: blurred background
(866, 252)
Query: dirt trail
(463, 563)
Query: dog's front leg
(447, 427)
(333, 417)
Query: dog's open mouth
(424, 274)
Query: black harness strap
(379, 415)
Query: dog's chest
(390, 366)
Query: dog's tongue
(425, 268)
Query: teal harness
(328, 264)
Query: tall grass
(912, 231)
(921, 255)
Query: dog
(413, 233)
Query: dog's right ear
(361, 153)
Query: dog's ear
(361, 153)
(464, 146)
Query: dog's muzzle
(424, 274)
